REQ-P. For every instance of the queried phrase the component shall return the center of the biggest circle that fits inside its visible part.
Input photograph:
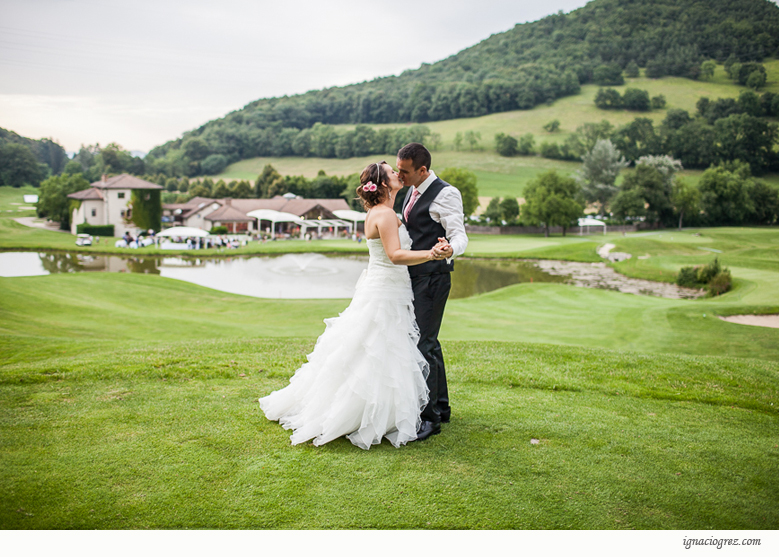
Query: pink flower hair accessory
(370, 186)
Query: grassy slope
(546, 313)
(12, 201)
(560, 314)
(120, 409)
(502, 177)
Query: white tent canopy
(273, 217)
(587, 221)
(335, 224)
(184, 232)
(348, 214)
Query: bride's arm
(387, 223)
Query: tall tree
(598, 175)
(18, 166)
(506, 145)
(551, 200)
(53, 202)
(262, 185)
(649, 184)
(725, 198)
(465, 181)
(472, 138)
(686, 199)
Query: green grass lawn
(130, 402)
(12, 201)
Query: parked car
(84, 240)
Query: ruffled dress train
(365, 378)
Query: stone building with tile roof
(205, 213)
(107, 202)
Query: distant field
(12, 201)
(497, 176)
(505, 177)
(576, 110)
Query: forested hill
(530, 64)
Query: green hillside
(507, 177)
(575, 110)
(527, 66)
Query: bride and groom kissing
(378, 369)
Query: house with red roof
(205, 213)
(107, 202)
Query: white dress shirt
(447, 210)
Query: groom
(432, 211)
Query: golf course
(130, 401)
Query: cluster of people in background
(140, 241)
(215, 241)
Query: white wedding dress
(365, 378)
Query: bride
(365, 378)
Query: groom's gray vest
(424, 231)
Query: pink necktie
(414, 195)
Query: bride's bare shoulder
(382, 212)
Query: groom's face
(409, 175)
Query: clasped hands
(442, 250)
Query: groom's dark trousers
(431, 283)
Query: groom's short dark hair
(417, 154)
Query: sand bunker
(756, 320)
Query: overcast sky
(141, 73)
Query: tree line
(653, 193)
(28, 161)
(720, 131)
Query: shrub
(636, 99)
(608, 74)
(526, 143)
(746, 70)
(506, 145)
(721, 283)
(95, 229)
(509, 209)
(552, 126)
(608, 99)
(688, 277)
(756, 80)
(218, 230)
(550, 150)
(708, 272)
(632, 69)
(214, 164)
(658, 102)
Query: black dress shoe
(427, 429)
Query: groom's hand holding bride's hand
(442, 250)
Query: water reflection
(473, 277)
(307, 275)
(79, 263)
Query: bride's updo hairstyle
(372, 190)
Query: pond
(312, 275)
